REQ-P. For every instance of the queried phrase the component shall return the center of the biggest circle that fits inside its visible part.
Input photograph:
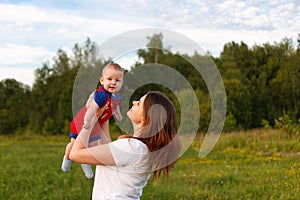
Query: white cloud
(213, 40)
(30, 14)
(286, 7)
(249, 12)
(23, 75)
(32, 32)
(22, 54)
(58, 22)
(259, 21)
(127, 60)
(230, 5)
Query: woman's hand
(100, 111)
(90, 99)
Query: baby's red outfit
(101, 97)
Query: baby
(107, 94)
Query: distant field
(255, 164)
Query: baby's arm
(69, 147)
(117, 113)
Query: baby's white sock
(87, 170)
(66, 164)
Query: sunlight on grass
(254, 164)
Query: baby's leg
(68, 150)
(94, 143)
(66, 164)
(87, 169)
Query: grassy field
(256, 164)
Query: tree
(154, 49)
(261, 83)
(53, 87)
(14, 106)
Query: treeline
(261, 82)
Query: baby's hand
(100, 111)
(118, 117)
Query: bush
(265, 124)
(230, 123)
(288, 125)
(49, 127)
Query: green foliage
(188, 113)
(230, 123)
(265, 124)
(49, 127)
(52, 90)
(14, 106)
(261, 83)
(66, 128)
(288, 125)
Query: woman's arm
(90, 113)
(98, 155)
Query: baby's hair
(114, 66)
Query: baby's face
(112, 80)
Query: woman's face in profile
(135, 113)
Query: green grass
(30, 169)
(255, 164)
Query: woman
(125, 165)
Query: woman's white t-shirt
(128, 177)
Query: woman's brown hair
(159, 133)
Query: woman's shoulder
(128, 151)
(130, 145)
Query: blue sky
(32, 31)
